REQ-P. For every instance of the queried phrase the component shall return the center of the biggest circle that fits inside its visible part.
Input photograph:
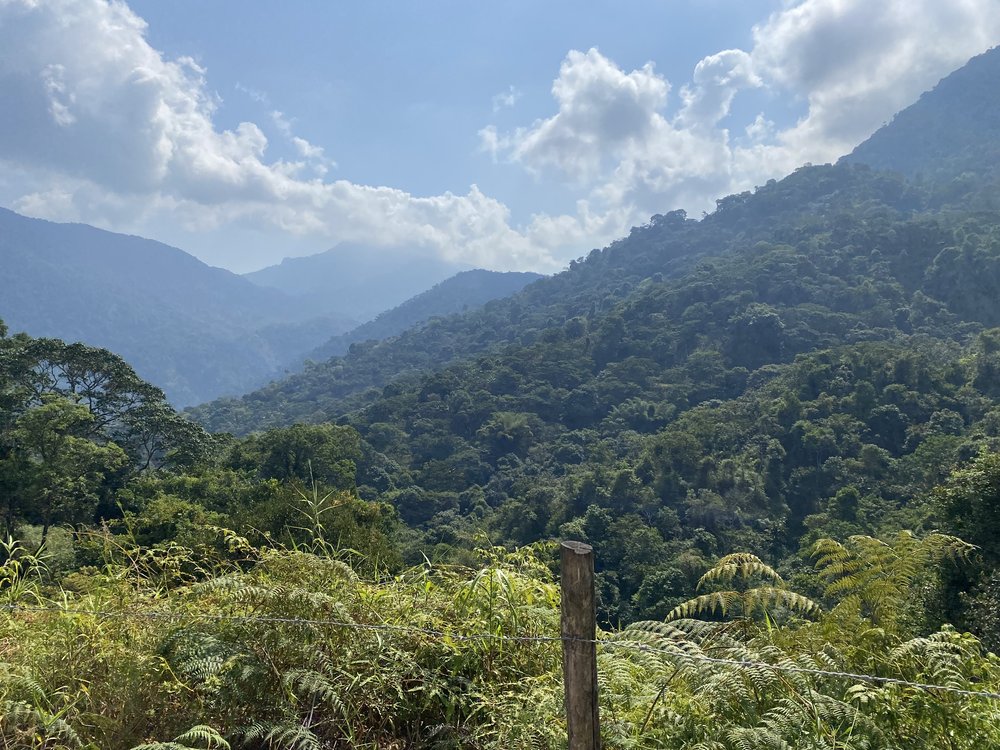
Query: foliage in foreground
(263, 653)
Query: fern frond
(874, 577)
(315, 686)
(203, 735)
(720, 602)
(293, 737)
(199, 737)
(739, 565)
(766, 597)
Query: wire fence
(623, 644)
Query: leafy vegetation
(272, 647)
(809, 360)
(778, 426)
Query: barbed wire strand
(274, 620)
(795, 668)
(456, 638)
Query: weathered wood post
(579, 630)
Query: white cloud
(857, 63)
(506, 99)
(315, 156)
(716, 81)
(111, 132)
(256, 95)
(282, 123)
(602, 110)
(100, 127)
(489, 141)
(854, 64)
(612, 134)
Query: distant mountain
(464, 291)
(194, 330)
(588, 302)
(570, 305)
(357, 281)
(951, 130)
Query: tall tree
(57, 468)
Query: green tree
(327, 453)
(60, 468)
(124, 408)
(882, 581)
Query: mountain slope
(356, 281)
(668, 247)
(465, 290)
(815, 353)
(810, 359)
(194, 330)
(950, 130)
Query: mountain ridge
(951, 129)
(161, 308)
(355, 280)
(463, 291)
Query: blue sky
(508, 135)
(397, 92)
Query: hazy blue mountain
(587, 303)
(572, 305)
(463, 291)
(951, 130)
(357, 281)
(194, 330)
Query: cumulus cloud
(857, 63)
(602, 110)
(852, 63)
(716, 81)
(100, 127)
(612, 133)
(111, 132)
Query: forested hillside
(832, 363)
(463, 291)
(812, 355)
(169, 589)
(197, 331)
(667, 248)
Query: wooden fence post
(579, 630)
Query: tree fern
(739, 566)
(285, 736)
(744, 602)
(200, 737)
(877, 578)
